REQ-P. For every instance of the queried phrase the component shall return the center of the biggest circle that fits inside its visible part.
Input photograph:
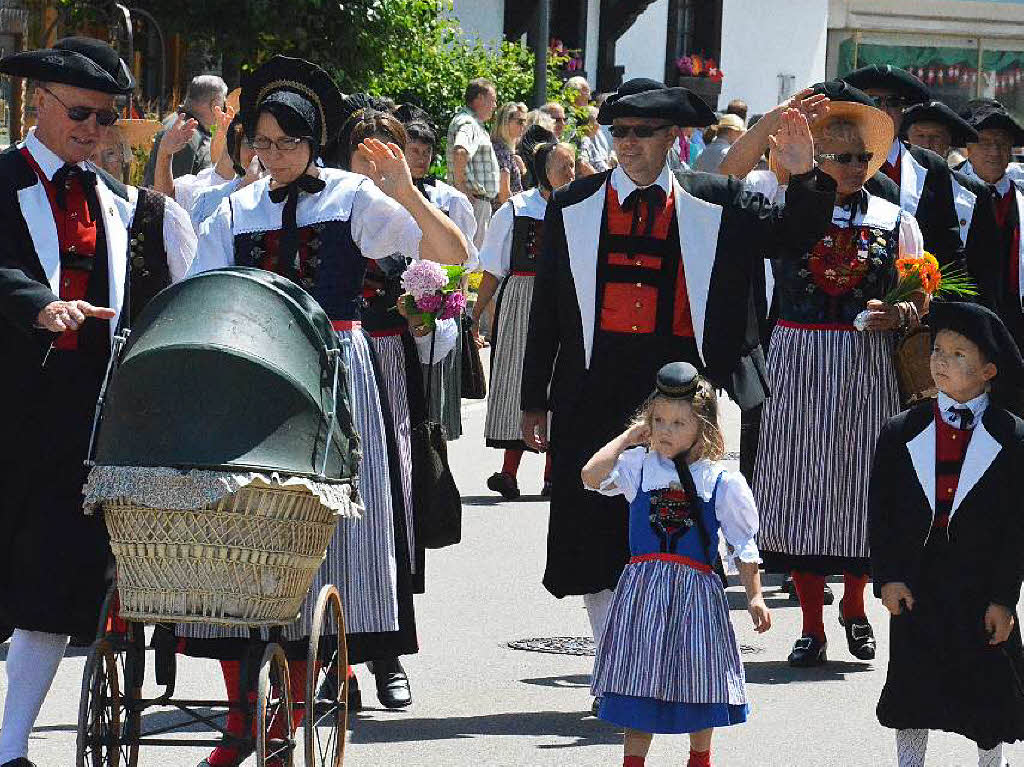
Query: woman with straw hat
(833, 386)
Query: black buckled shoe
(503, 483)
(829, 596)
(808, 651)
(392, 683)
(860, 637)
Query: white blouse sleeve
(179, 240)
(737, 515)
(911, 239)
(496, 251)
(216, 247)
(381, 227)
(460, 211)
(447, 334)
(624, 478)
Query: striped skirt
(361, 556)
(446, 392)
(832, 390)
(668, 638)
(503, 427)
(394, 384)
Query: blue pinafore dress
(668, 661)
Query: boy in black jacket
(947, 534)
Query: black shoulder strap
(710, 547)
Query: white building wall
(642, 49)
(483, 19)
(593, 31)
(762, 41)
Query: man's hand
(895, 595)
(998, 623)
(535, 429)
(177, 136)
(792, 144)
(59, 316)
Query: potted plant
(700, 75)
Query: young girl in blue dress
(668, 661)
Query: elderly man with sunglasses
(924, 178)
(641, 267)
(63, 262)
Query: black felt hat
(937, 112)
(80, 62)
(678, 380)
(642, 97)
(982, 114)
(892, 78)
(299, 86)
(840, 90)
(982, 326)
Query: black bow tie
(654, 196)
(62, 180)
(964, 414)
(288, 247)
(856, 203)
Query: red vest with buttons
(950, 449)
(76, 237)
(1005, 214)
(640, 271)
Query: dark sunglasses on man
(640, 131)
(845, 158)
(104, 117)
(893, 102)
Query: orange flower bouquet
(922, 274)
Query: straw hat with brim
(876, 128)
(139, 133)
(732, 122)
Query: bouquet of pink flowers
(433, 291)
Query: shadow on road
(780, 672)
(584, 729)
(569, 680)
(497, 500)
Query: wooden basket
(912, 356)
(247, 560)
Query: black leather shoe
(500, 482)
(860, 637)
(829, 596)
(808, 651)
(19, 762)
(392, 683)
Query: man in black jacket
(923, 177)
(641, 267)
(63, 263)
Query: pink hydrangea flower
(432, 303)
(454, 303)
(424, 278)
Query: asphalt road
(479, 703)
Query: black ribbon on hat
(68, 173)
(654, 196)
(289, 195)
(964, 414)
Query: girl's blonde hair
(710, 442)
(503, 117)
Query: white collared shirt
(624, 185)
(895, 153)
(977, 406)
(640, 469)
(48, 162)
(1002, 185)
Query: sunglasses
(286, 144)
(640, 131)
(896, 102)
(847, 157)
(104, 117)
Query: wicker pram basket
(248, 559)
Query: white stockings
(911, 746)
(32, 661)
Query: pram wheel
(275, 742)
(99, 711)
(326, 720)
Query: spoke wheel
(275, 741)
(127, 642)
(99, 710)
(326, 721)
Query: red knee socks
(512, 460)
(224, 756)
(811, 590)
(853, 595)
(699, 758)
(633, 761)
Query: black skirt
(943, 674)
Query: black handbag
(474, 384)
(438, 503)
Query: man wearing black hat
(63, 263)
(998, 272)
(923, 176)
(642, 267)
